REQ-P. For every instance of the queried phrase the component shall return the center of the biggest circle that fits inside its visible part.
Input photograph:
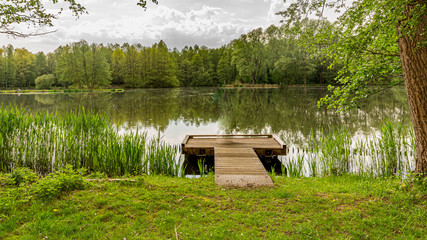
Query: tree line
(271, 56)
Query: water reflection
(289, 112)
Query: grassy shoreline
(160, 207)
(251, 86)
(45, 91)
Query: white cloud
(275, 6)
(179, 23)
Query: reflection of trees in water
(289, 112)
(292, 112)
(149, 107)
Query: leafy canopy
(363, 40)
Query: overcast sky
(178, 22)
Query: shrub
(22, 175)
(58, 183)
(45, 81)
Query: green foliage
(45, 81)
(59, 183)
(31, 13)
(81, 65)
(364, 41)
(23, 61)
(118, 66)
(40, 64)
(249, 55)
(23, 175)
(417, 184)
(270, 56)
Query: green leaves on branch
(143, 3)
(363, 40)
(33, 14)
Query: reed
(390, 152)
(201, 166)
(47, 142)
(295, 166)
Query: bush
(58, 183)
(22, 175)
(45, 81)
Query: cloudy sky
(178, 22)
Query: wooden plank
(258, 143)
(243, 180)
(239, 171)
(184, 141)
(236, 162)
(232, 135)
(280, 142)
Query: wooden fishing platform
(236, 156)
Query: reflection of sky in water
(176, 131)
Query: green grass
(160, 207)
(32, 91)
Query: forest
(271, 56)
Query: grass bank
(240, 85)
(37, 91)
(160, 207)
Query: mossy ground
(159, 207)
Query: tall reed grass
(390, 152)
(46, 142)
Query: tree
(45, 81)
(249, 55)
(117, 65)
(377, 42)
(162, 68)
(68, 69)
(40, 64)
(24, 61)
(226, 70)
(131, 73)
(82, 65)
(34, 15)
(10, 70)
(98, 69)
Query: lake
(289, 112)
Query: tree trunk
(413, 57)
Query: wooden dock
(236, 156)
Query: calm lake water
(290, 112)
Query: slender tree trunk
(413, 57)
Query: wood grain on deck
(239, 167)
(269, 143)
(236, 161)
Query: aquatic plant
(201, 166)
(390, 152)
(46, 142)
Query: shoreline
(52, 91)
